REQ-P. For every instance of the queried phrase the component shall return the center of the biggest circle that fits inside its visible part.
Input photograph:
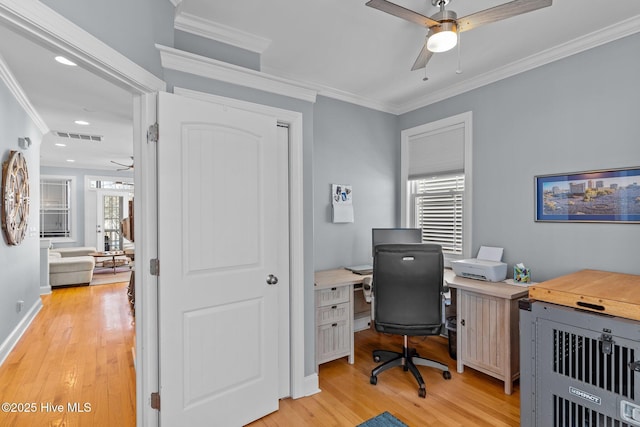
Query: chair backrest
(408, 285)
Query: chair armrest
(367, 288)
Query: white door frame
(35, 20)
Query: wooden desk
(487, 327)
(334, 307)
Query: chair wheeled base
(408, 359)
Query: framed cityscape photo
(611, 195)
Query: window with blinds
(438, 209)
(436, 166)
(55, 208)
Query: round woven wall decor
(15, 198)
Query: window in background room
(55, 208)
(436, 183)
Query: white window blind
(436, 152)
(55, 208)
(438, 203)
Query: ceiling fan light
(443, 38)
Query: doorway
(108, 211)
(36, 22)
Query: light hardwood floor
(78, 350)
(347, 399)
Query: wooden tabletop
(337, 277)
(617, 294)
(496, 289)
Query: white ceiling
(354, 52)
(60, 95)
(341, 48)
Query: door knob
(271, 279)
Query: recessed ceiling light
(70, 160)
(81, 122)
(65, 61)
(60, 144)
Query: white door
(112, 208)
(221, 202)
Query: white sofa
(71, 266)
(74, 251)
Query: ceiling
(340, 48)
(357, 53)
(60, 94)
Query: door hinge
(155, 401)
(154, 267)
(153, 133)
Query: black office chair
(408, 287)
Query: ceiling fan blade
(401, 12)
(423, 57)
(122, 164)
(500, 12)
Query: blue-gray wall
(19, 265)
(358, 147)
(78, 196)
(577, 114)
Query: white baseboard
(8, 344)
(45, 290)
(311, 385)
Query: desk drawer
(332, 296)
(332, 313)
(333, 341)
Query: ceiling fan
(444, 27)
(124, 167)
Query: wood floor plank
(77, 351)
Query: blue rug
(383, 420)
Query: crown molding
(34, 19)
(219, 32)
(580, 44)
(187, 62)
(340, 95)
(18, 93)
(175, 3)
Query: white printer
(487, 265)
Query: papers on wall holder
(341, 203)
